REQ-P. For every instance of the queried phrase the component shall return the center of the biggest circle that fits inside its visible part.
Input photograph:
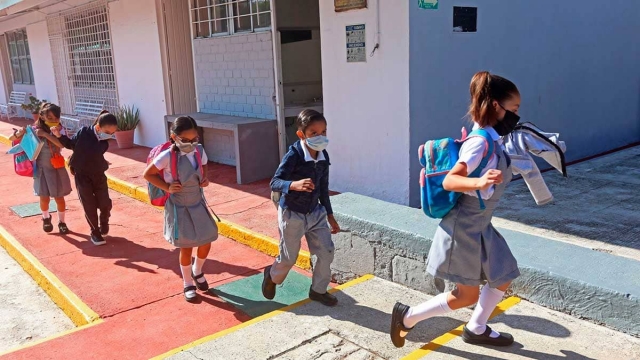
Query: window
(226, 17)
(20, 57)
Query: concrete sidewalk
(358, 329)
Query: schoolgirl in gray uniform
(466, 248)
(188, 223)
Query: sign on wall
(356, 43)
(345, 5)
(428, 4)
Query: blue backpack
(438, 157)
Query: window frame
(231, 18)
(19, 56)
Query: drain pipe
(377, 37)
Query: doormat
(246, 294)
(33, 209)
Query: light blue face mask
(104, 136)
(317, 143)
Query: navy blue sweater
(88, 152)
(293, 168)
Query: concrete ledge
(79, 313)
(393, 242)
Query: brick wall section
(234, 75)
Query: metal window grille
(82, 56)
(20, 57)
(226, 17)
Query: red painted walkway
(133, 282)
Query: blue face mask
(104, 136)
(317, 143)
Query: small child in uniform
(305, 209)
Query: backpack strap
(485, 159)
(173, 163)
(199, 161)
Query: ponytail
(484, 89)
(95, 122)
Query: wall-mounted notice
(356, 43)
(344, 5)
(428, 4)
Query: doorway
(300, 61)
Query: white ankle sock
(434, 307)
(197, 268)
(186, 275)
(61, 216)
(489, 298)
(45, 214)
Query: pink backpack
(21, 163)
(157, 196)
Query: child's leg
(320, 244)
(462, 296)
(489, 299)
(292, 227)
(61, 204)
(185, 265)
(198, 263)
(44, 206)
(101, 191)
(84, 186)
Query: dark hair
(485, 88)
(106, 118)
(180, 125)
(308, 117)
(44, 109)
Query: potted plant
(33, 106)
(128, 119)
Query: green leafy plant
(34, 105)
(128, 118)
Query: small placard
(428, 4)
(356, 43)
(345, 5)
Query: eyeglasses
(192, 141)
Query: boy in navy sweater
(88, 165)
(305, 209)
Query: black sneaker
(325, 299)
(268, 286)
(62, 227)
(47, 226)
(97, 239)
(104, 229)
(485, 339)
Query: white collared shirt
(307, 153)
(163, 162)
(471, 154)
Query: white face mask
(317, 143)
(185, 147)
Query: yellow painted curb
(79, 313)
(238, 233)
(5, 140)
(441, 340)
(259, 319)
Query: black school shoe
(97, 239)
(268, 286)
(202, 286)
(47, 226)
(485, 339)
(190, 293)
(62, 227)
(397, 324)
(325, 299)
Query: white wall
(138, 66)
(367, 104)
(42, 62)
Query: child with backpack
(304, 209)
(88, 166)
(178, 170)
(50, 177)
(466, 249)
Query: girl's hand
(56, 131)
(40, 133)
(174, 188)
(491, 177)
(204, 183)
(335, 228)
(304, 185)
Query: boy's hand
(304, 185)
(40, 133)
(335, 228)
(204, 183)
(174, 188)
(491, 177)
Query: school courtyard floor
(125, 299)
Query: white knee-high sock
(186, 275)
(45, 214)
(61, 216)
(489, 298)
(434, 307)
(197, 268)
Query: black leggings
(93, 192)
